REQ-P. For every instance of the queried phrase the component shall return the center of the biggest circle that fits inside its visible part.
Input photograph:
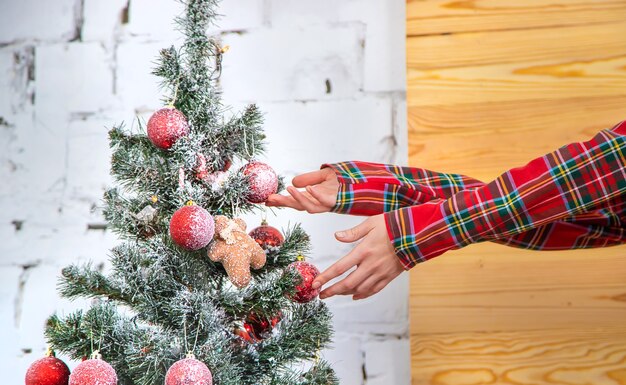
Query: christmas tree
(191, 297)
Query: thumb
(355, 233)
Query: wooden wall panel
(492, 84)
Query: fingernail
(316, 285)
(340, 234)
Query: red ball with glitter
(192, 227)
(267, 237)
(189, 371)
(166, 126)
(263, 181)
(93, 372)
(304, 292)
(48, 371)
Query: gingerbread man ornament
(236, 250)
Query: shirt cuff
(368, 189)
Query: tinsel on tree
(163, 297)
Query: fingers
(347, 285)
(374, 289)
(309, 203)
(283, 201)
(355, 233)
(309, 178)
(362, 290)
(337, 268)
(326, 198)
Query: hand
(320, 196)
(374, 257)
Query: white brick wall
(329, 75)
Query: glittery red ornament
(93, 372)
(308, 272)
(263, 181)
(166, 126)
(261, 327)
(267, 237)
(48, 371)
(192, 227)
(189, 371)
(244, 332)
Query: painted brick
(15, 86)
(88, 158)
(238, 15)
(74, 77)
(383, 313)
(10, 278)
(55, 154)
(326, 131)
(38, 165)
(154, 19)
(346, 356)
(384, 57)
(35, 19)
(387, 361)
(294, 63)
(136, 86)
(102, 18)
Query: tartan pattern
(574, 197)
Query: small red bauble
(245, 332)
(166, 126)
(261, 327)
(189, 371)
(267, 237)
(263, 181)
(192, 227)
(93, 372)
(48, 371)
(304, 292)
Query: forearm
(575, 179)
(371, 188)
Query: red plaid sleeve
(568, 191)
(367, 188)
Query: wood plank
(561, 46)
(493, 84)
(485, 139)
(453, 16)
(567, 356)
(515, 81)
(490, 287)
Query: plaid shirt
(574, 197)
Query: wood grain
(489, 287)
(492, 84)
(566, 356)
(452, 16)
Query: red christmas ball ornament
(263, 181)
(304, 292)
(261, 327)
(244, 332)
(48, 371)
(192, 227)
(267, 237)
(189, 371)
(166, 126)
(94, 371)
